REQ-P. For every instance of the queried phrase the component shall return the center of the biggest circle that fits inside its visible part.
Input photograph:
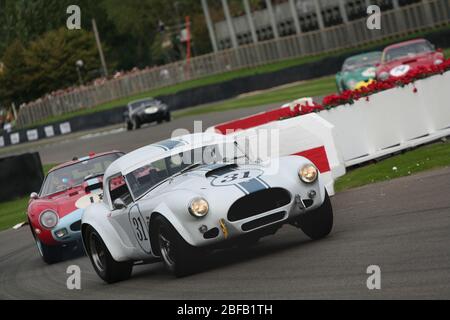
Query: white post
(273, 21)
(231, 31)
(298, 28)
(319, 14)
(248, 13)
(212, 35)
(343, 11)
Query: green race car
(358, 71)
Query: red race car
(55, 213)
(398, 59)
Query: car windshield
(74, 175)
(142, 104)
(148, 176)
(409, 50)
(367, 60)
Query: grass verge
(311, 88)
(436, 155)
(14, 212)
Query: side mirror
(34, 196)
(118, 204)
(440, 50)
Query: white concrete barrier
(390, 121)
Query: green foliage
(47, 64)
(51, 60)
(12, 84)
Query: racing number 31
(140, 232)
(235, 176)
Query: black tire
(318, 223)
(129, 125)
(135, 123)
(159, 121)
(168, 117)
(50, 254)
(104, 264)
(178, 256)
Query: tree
(12, 85)
(51, 60)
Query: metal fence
(394, 23)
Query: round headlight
(438, 62)
(308, 173)
(384, 76)
(48, 219)
(199, 207)
(351, 84)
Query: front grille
(263, 221)
(76, 226)
(258, 202)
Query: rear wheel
(179, 257)
(104, 264)
(318, 223)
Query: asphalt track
(402, 226)
(63, 148)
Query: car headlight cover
(48, 219)
(308, 173)
(199, 207)
(438, 62)
(351, 83)
(384, 76)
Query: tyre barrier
(20, 175)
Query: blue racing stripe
(252, 185)
(170, 144)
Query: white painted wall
(391, 121)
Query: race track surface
(63, 148)
(403, 226)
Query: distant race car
(145, 111)
(55, 213)
(358, 71)
(177, 210)
(400, 58)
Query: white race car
(159, 204)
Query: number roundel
(140, 229)
(235, 177)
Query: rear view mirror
(118, 204)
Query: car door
(129, 221)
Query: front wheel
(179, 257)
(129, 125)
(104, 264)
(318, 223)
(135, 123)
(50, 254)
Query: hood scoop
(220, 169)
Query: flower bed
(350, 96)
